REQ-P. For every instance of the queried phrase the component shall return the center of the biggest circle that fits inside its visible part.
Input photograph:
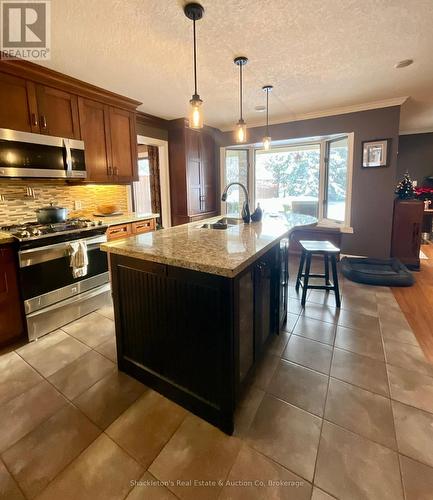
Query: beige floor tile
(37, 458)
(109, 397)
(102, 472)
(34, 348)
(25, 412)
(309, 353)
(411, 387)
(54, 357)
(146, 426)
(246, 410)
(197, 451)
(300, 386)
(414, 430)
(107, 311)
(291, 322)
(321, 296)
(407, 356)
(320, 495)
(294, 306)
(364, 304)
(286, 434)
(261, 478)
(16, 376)
(75, 378)
(350, 466)
(417, 479)
(150, 488)
(365, 342)
(398, 334)
(360, 411)
(277, 345)
(360, 370)
(315, 330)
(352, 319)
(264, 371)
(108, 349)
(93, 329)
(8, 487)
(329, 314)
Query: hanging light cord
(240, 89)
(267, 112)
(195, 58)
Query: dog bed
(380, 272)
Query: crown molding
(427, 130)
(342, 110)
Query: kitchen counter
(6, 238)
(223, 252)
(125, 218)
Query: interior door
(58, 112)
(123, 140)
(17, 104)
(94, 123)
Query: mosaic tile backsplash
(16, 207)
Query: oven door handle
(57, 251)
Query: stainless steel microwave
(23, 154)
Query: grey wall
(372, 190)
(415, 155)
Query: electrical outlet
(78, 205)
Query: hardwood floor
(417, 303)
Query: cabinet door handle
(43, 121)
(110, 170)
(116, 171)
(34, 120)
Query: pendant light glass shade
(195, 11)
(241, 132)
(267, 138)
(195, 113)
(241, 127)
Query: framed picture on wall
(375, 153)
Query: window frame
(323, 141)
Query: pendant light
(241, 128)
(195, 11)
(267, 137)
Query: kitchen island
(195, 307)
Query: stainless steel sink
(231, 221)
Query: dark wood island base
(194, 336)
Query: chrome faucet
(245, 207)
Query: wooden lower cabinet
(406, 231)
(120, 231)
(12, 324)
(193, 336)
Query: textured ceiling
(318, 55)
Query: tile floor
(340, 407)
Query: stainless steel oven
(52, 296)
(23, 154)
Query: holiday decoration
(405, 189)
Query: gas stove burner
(34, 230)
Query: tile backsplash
(16, 207)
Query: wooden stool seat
(329, 252)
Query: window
(236, 170)
(311, 176)
(141, 188)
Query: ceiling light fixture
(267, 138)
(195, 11)
(404, 64)
(241, 127)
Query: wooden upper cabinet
(94, 131)
(58, 112)
(16, 99)
(123, 141)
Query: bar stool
(329, 251)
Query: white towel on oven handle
(78, 258)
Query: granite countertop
(125, 218)
(6, 238)
(221, 252)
